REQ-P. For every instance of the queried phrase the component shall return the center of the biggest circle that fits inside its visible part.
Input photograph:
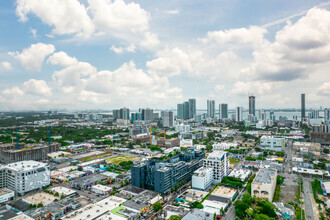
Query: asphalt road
(309, 214)
(230, 214)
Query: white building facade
(24, 176)
(202, 178)
(272, 143)
(6, 195)
(219, 162)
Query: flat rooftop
(25, 165)
(224, 192)
(216, 154)
(42, 197)
(264, 176)
(21, 217)
(89, 179)
(93, 211)
(5, 191)
(133, 189)
(63, 190)
(102, 187)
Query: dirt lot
(289, 189)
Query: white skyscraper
(239, 113)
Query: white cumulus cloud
(36, 87)
(32, 58)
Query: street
(309, 214)
(230, 214)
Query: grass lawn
(233, 161)
(120, 158)
(95, 157)
(115, 210)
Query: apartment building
(202, 178)
(219, 162)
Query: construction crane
(164, 132)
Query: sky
(106, 54)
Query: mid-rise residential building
(167, 119)
(24, 176)
(219, 162)
(10, 153)
(272, 143)
(211, 108)
(163, 175)
(202, 178)
(264, 184)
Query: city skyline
(140, 54)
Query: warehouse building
(264, 184)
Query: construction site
(10, 153)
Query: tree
(157, 206)
(40, 205)
(80, 168)
(57, 194)
(222, 212)
(174, 217)
(248, 199)
(261, 217)
(280, 179)
(265, 154)
(326, 151)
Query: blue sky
(75, 55)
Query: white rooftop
(25, 165)
(101, 187)
(216, 154)
(63, 190)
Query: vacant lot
(95, 157)
(120, 158)
(289, 189)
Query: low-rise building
(174, 210)
(202, 178)
(310, 146)
(241, 174)
(198, 214)
(101, 189)
(6, 195)
(264, 184)
(98, 210)
(61, 190)
(223, 194)
(272, 143)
